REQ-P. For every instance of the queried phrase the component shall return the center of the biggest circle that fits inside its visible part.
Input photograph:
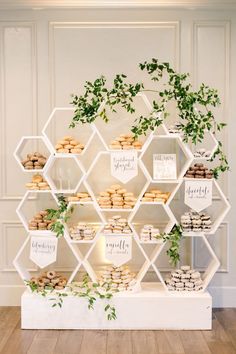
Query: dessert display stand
(150, 305)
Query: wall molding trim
(62, 4)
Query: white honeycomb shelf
(65, 174)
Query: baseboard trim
(10, 295)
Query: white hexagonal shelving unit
(64, 173)
(29, 145)
(57, 126)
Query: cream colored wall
(46, 55)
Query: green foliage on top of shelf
(194, 108)
(59, 216)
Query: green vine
(61, 215)
(174, 237)
(89, 291)
(193, 107)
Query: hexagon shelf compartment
(121, 121)
(57, 127)
(164, 144)
(84, 213)
(64, 174)
(102, 163)
(32, 203)
(30, 145)
(205, 149)
(64, 249)
(217, 211)
(211, 262)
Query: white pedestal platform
(151, 308)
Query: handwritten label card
(43, 250)
(118, 249)
(164, 166)
(124, 165)
(198, 194)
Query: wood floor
(221, 340)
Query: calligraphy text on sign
(118, 249)
(43, 250)
(124, 165)
(198, 194)
(164, 166)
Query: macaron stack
(80, 197)
(194, 221)
(149, 233)
(40, 221)
(125, 142)
(49, 280)
(35, 161)
(184, 279)
(38, 183)
(202, 153)
(198, 170)
(82, 231)
(120, 278)
(117, 225)
(69, 145)
(116, 197)
(155, 195)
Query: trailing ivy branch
(174, 237)
(89, 291)
(93, 291)
(59, 216)
(194, 107)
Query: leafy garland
(194, 107)
(89, 291)
(59, 216)
(174, 237)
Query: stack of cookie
(202, 153)
(80, 197)
(175, 128)
(194, 221)
(40, 221)
(35, 161)
(184, 279)
(199, 171)
(116, 197)
(155, 195)
(149, 233)
(125, 142)
(69, 145)
(120, 278)
(117, 225)
(49, 280)
(37, 183)
(82, 231)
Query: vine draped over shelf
(194, 108)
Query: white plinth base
(151, 308)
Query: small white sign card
(198, 194)
(164, 166)
(43, 250)
(118, 249)
(124, 165)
